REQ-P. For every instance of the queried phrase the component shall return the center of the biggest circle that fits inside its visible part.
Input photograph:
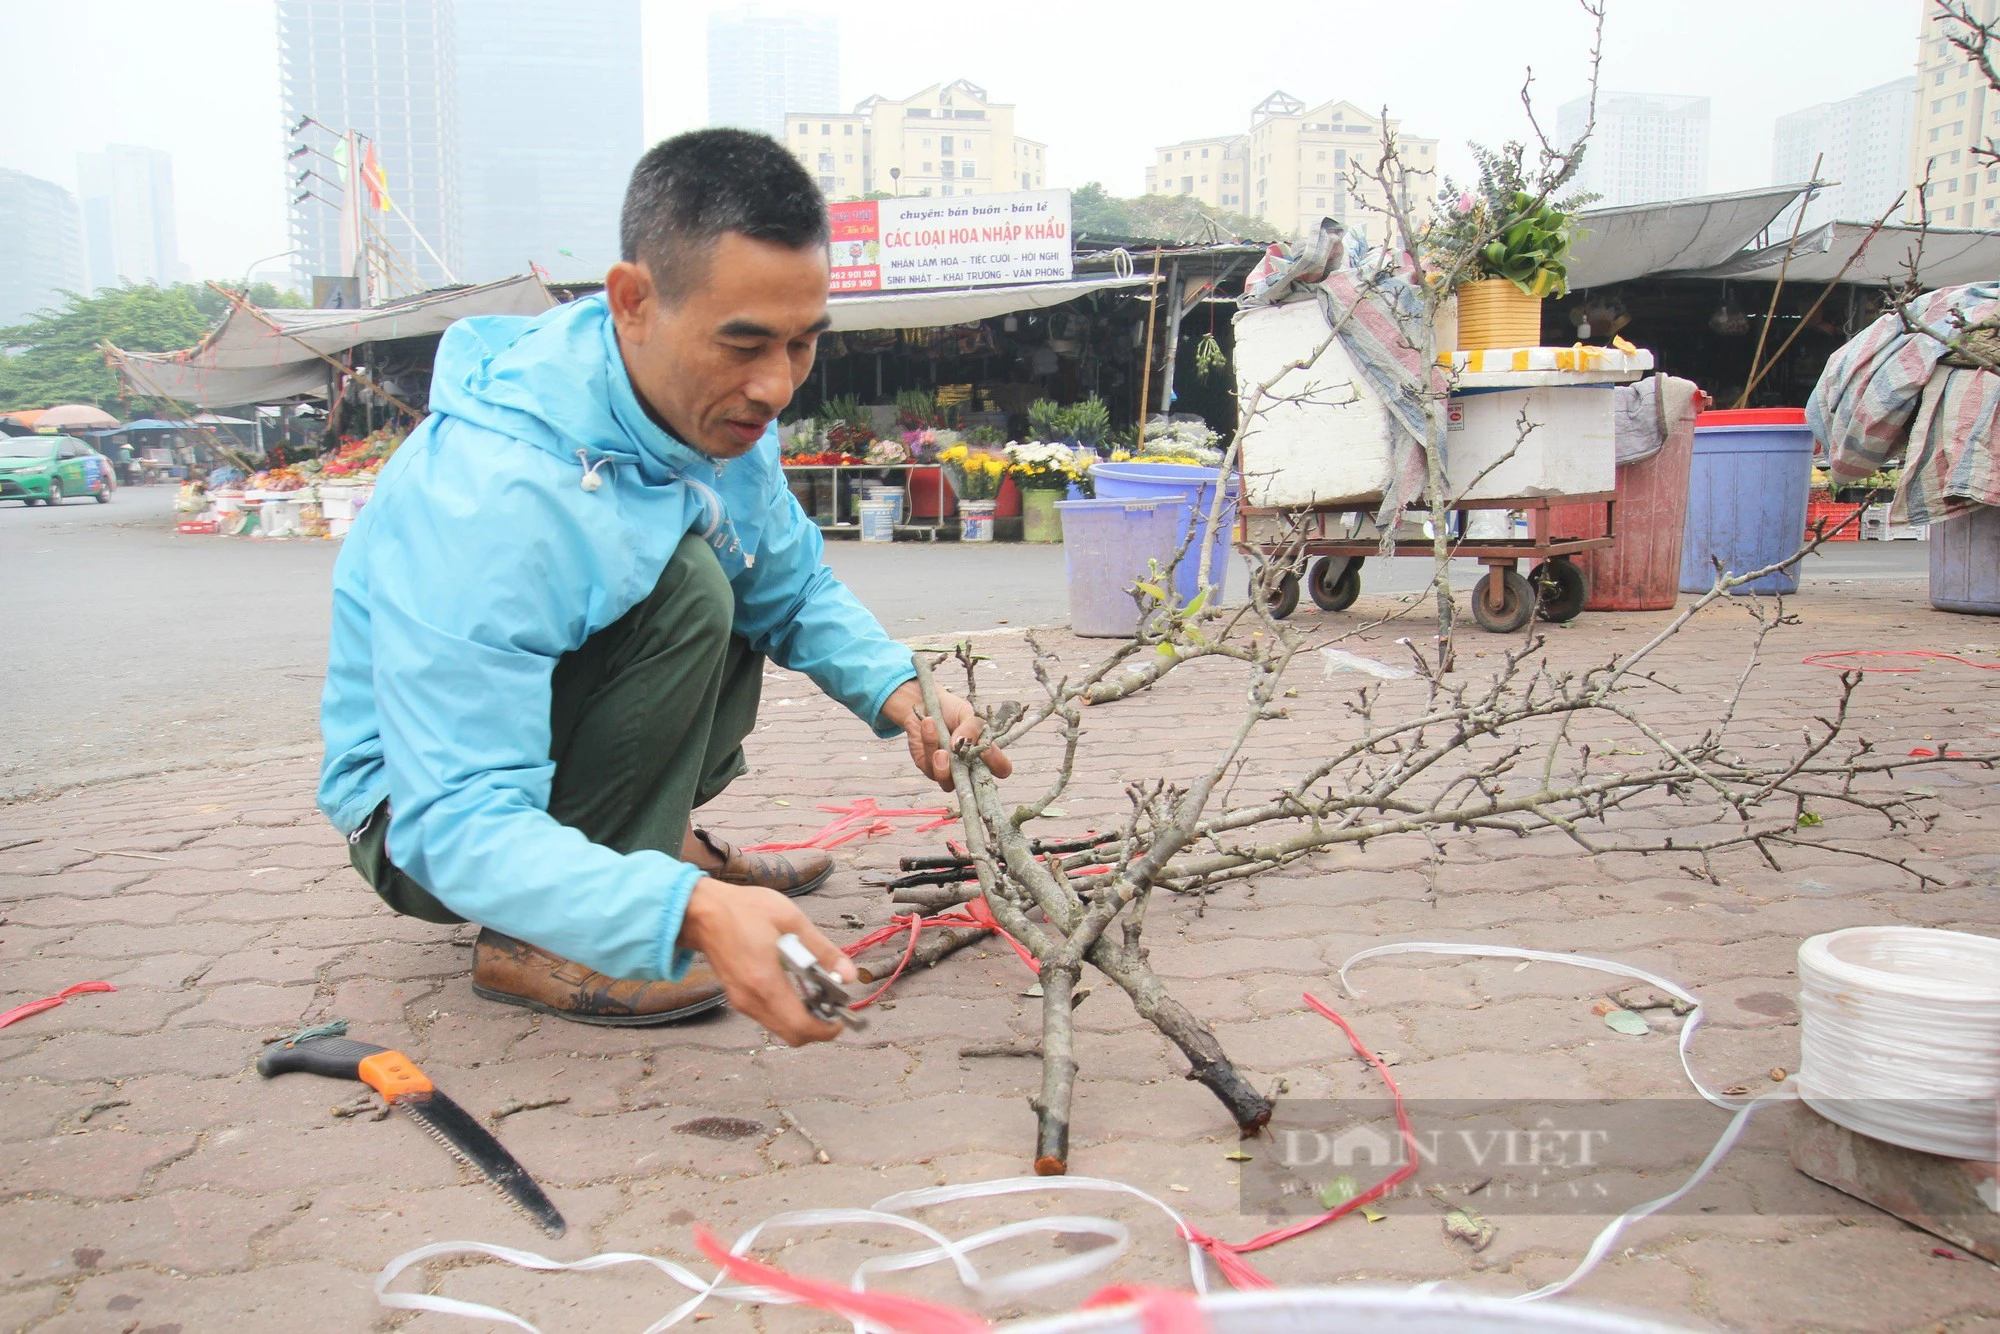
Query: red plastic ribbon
(1161, 1310)
(1821, 659)
(1230, 1257)
(906, 1315)
(20, 1012)
(862, 819)
(976, 913)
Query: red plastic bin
(1641, 570)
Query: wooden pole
(1813, 310)
(1146, 372)
(1764, 330)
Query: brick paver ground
(149, 1180)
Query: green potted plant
(1501, 248)
(1044, 471)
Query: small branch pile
(1506, 752)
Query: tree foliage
(54, 356)
(1095, 211)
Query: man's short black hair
(690, 189)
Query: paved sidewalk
(150, 1181)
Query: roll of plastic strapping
(1899, 1036)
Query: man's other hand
(905, 709)
(736, 928)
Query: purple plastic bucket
(1192, 489)
(1107, 547)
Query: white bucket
(975, 520)
(878, 518)
(892, 495)
(1359, 1310)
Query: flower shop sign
(887, 245)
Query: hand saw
(402, 1085)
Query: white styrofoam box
(1570, 452)
(1322, 436)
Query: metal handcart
(1504, 599)
(1322, 455)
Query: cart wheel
(1334, 582)
(1561, 589)
(1518, 606)
(1284, 599)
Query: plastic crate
(1834, 514)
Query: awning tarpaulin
(1616, 245)
(250, 360)
(1942, 258)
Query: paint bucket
(878, 518)
(975, 521)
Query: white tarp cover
(929, 310)
(1619, 244)
(1944, 258)
(247, 361)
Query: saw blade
(471, 1144)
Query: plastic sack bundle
(1893, 390)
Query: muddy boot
(512, 971)
(792, 874)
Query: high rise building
(763, 64)
(1861, 142)
(127, 196)
(1646, 147)
(1297, 165)
(549, 126)
(948, 139)
(43, 254)
(387, 69)
(1956, 114)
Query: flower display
(974, 474)
(1042, 466)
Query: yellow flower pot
(1494, 313)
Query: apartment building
(948, 139)
(1212, 170)
(1862, 143)
(1956, 114)
(1298, 164)
(1645, 147)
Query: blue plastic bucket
(1747, 493)
(1192, 489)
(1107, 547)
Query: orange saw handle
(389, 1073)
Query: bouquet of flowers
(974, 474)
(1174, 442)
(1041, 466)
(886, 452)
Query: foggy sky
(199, 78)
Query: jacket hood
(556, 381)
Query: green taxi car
(51, 468)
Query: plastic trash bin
(1192, 489)
(1747, 491)
(1965, 563)
(1641, 570)
(1107, 547)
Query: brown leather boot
(792, 874)
(515, 972)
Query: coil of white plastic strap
(1899, 1036)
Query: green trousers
(646, 723)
